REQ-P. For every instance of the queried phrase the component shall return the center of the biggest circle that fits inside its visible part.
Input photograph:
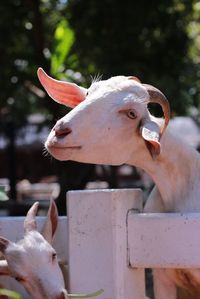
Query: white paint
(162, 240)
(97, 238)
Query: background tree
(34, 33)
(149, 39)
(25, 41)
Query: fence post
(97, 240)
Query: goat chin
(60, 153)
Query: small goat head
(110, 122)
(32, 261)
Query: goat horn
(134, 78)
(156, 96)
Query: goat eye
(53, 256)
(19, 279)
(131, 114)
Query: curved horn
(156, 96)
(134, 78)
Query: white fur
(105, 134)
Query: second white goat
(32, 261)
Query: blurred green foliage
(26, 30)
(158, 41)
(10, 294)
(63, 40)
(149, 39)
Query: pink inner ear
(150, 132)
(51, 222)
(68, 94)
(153, 147)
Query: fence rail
(107, 242)
(169, 240)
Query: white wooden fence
(106, 242)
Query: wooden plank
(169, 240)
(98, 243)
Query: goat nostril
(62, 132)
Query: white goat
(110, 124)
(32, 261)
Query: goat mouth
(62, 153)
(57, 147)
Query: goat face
(32, 261)
(109, 123)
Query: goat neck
(176, 173)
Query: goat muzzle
(61, 132)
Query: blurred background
(76, 40)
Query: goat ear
(4, 269)
(68, 94)
(51, 222)
(30, 222)
(150, 132)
